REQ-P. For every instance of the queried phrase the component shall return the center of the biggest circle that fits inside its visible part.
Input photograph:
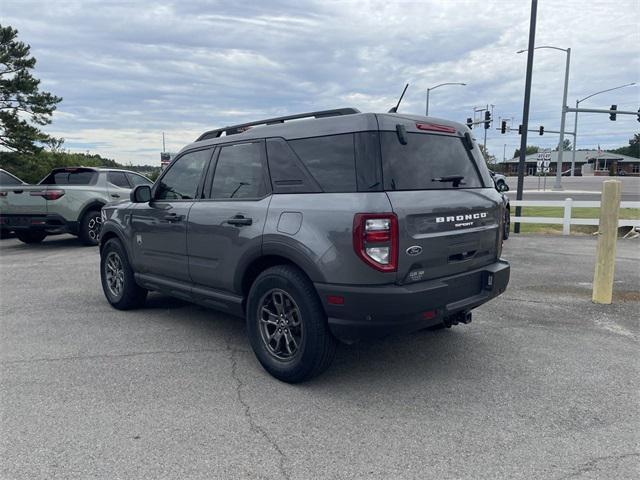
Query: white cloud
(130, 70)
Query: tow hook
(461, 317)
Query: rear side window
(183, 177)
(6, 179)
(239, 172)
(288, 175)
(330, 159)
(118, 179)
(427, 162)
(71, 177)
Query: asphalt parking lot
(542, 383)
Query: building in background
(588, 162)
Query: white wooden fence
(566, 221)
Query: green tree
(23, 107)
(633, 150)
(566, 143)
(488, 158)
(530, 149)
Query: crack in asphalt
(249, 417)
(106, 355)
(593, 463)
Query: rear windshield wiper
(455, 179)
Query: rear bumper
(48, 222)
(377, 311)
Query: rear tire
(287, 326)
(90, 227)
(30, 237)
(118, 282)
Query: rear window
(71, 177)
(427, 162)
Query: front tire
(118, 282)
(287, 325)
(90, 227)
(30, 237)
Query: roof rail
(234, 129)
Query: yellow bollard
(607, 237)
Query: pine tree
(23, 107)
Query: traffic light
(612, 116)
(541, 130)
(470, 122)
(487, 119)
(519, 129)
(503, 127)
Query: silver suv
(338, 225)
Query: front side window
(239, 172)
(182, 179)
(427, 162)
(118, 179)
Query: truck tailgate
(23, 200)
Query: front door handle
(173, 217)
(239, 220)
(115, 195)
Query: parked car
(501, 185)
(500, 181)
(67, 200)
(340, 225)
(7, 179)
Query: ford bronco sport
(339, 225)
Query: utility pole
(525, 109)
(575, 125)
(485, 136)
(163, 148)
(558, 185)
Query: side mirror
(140, 194)
(503, 187)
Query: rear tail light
(3, 194)
(375, 240)
(48, 194)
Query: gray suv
(339, 225)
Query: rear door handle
(173, 217)
(240, 220)
(115, 195)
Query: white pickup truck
(67, 200)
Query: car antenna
(395, 109)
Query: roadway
(578, 188)
(542, 383)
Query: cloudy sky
(130, 70)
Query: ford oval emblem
(415, 250)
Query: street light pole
(558, 185)
(440, 85)
(575, 126)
